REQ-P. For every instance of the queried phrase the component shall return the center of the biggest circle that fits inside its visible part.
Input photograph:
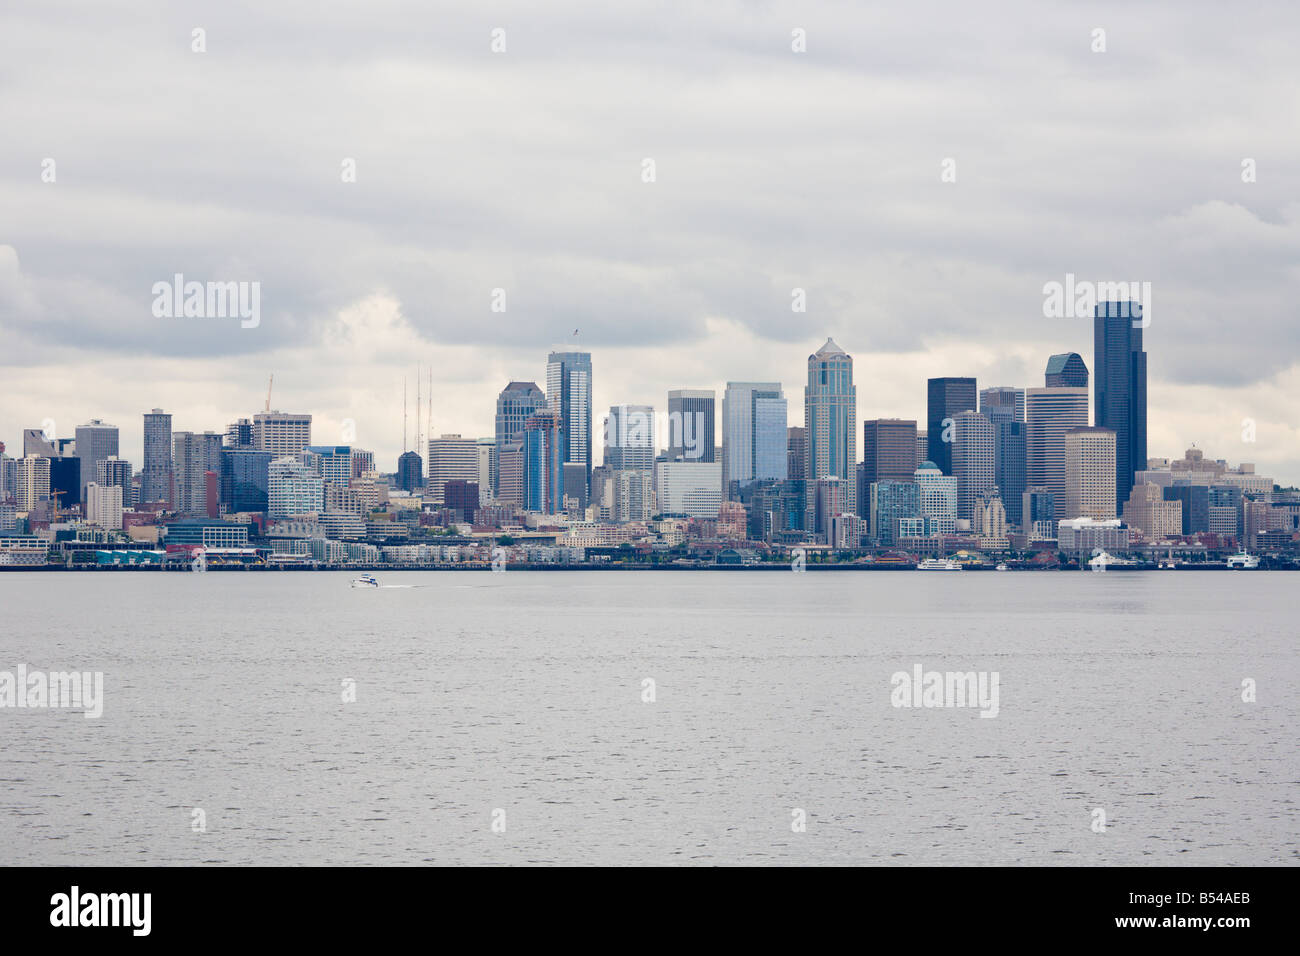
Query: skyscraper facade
(1009, 466)
(1090, 473)
(194, 455)
(945, 398)
(972, 460)
(95, 442)
(283, 434)
(543, 461)
(1049, 414)
(830, 414)
(245, 475)
(754, 439)
(156, 473)
(889, 450)
(1066, 370)
(515, 405)
(938, 497)
(451, 457)
(1120, 386)
(630, 438)
(1002, 404)
(568, 393)
(692, 421)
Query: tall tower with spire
(830, 410)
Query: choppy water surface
(523, 692)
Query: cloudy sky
(523, 170)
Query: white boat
(1000, 567)
(1241, 561)
(365, 581)
(938, 564)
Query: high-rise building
(510, 473)
(486, 457)
(1120, 386)
(891, 500)
(1009, 466)
(293, 488)
(104, 506)
(451, 457)
(1090, 473)
(32, 482)
(938, 497)
(193, 456)
(630, 438)
(461, 497)
(922, 447)
(95, 442)
(1049, 414)
(332, 462)
(283, 434)
(830, 412)
(515, 405)
(245, 475)
(410, 472)
(633, 495)
(945, 398)
(972, 460)
(156, 473)
(36, 442)
(568, 394)
(692, 420)
(691, 488)
(1038, 513)
(543, 460)
(831, 498)
(755, 444)
(1066, 370)
(796, 451)
(889, 450)
(115, 471)
(1148, 512)
(240, 433)
(989, 521)
(1002, 404)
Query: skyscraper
(410, 472)
(796, 451)
(515, 405)
(1050, 413)
(1009, 466)
(568, 393)
(194, 455)
(888, 450)
(1067, 370)
(1090, 473)
(972, 460)
(945, 398)
(156, 474)
(754, 438)
(451, 457)
(692, 420)
(283, 434)
(1119, 387)
(543, 461)
(1002, 404)
(95, 442)
(630, 438)
(938, 497)
(830, 411)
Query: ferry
(1000, 567)
(938, 564)
(1241, 561)
(365, 581)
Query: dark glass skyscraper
(156, 475)
(1009, 467)
(410, 471)
(947, 397)
(1120, 387)
(1067, 370)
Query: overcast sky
(523, 170)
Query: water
(522, 692)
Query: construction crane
(268, 391)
